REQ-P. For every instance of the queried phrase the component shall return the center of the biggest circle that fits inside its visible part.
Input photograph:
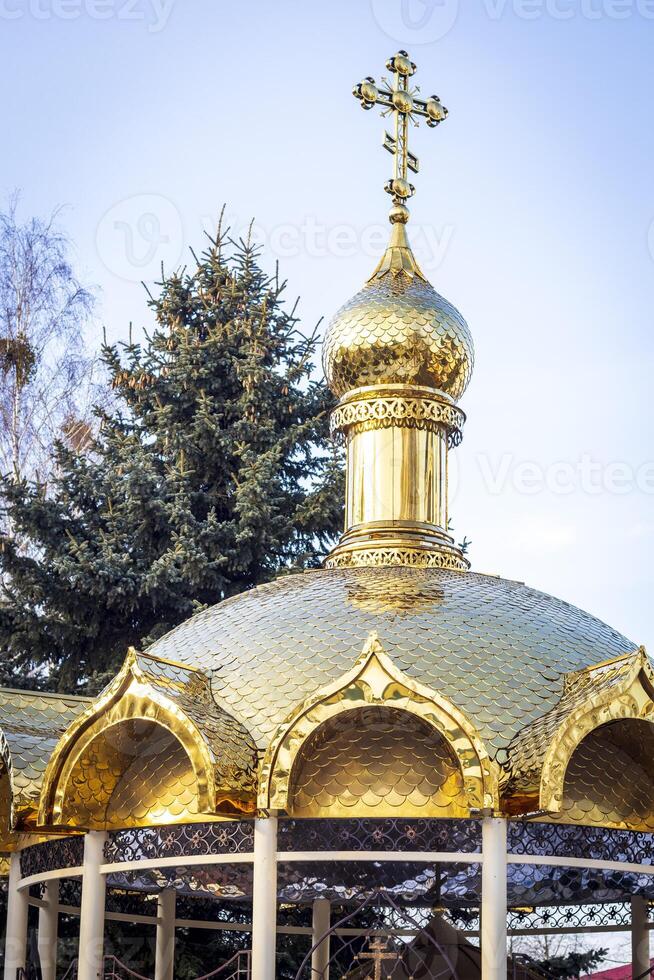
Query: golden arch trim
(128, 698)
(628, 694)
(375, 681)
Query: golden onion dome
(398, 330)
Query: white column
(48, 930)
(321, 953)
(91, 923)
(164, 958)
(493, 899)
(16, 935)
(639, 937)
(264, 899)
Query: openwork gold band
(377, 410)
(414, 557)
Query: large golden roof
(497, 649)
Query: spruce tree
(211, 472)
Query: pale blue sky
(533, 215)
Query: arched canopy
(615, 691)
(609, 781)
(154, 747)
(31, 724)
(540, 755)
(376, 761)
(375, 681)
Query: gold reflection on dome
(610, 778)
(377, 762)
(135, 773)
(397, 594)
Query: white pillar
(164, 958)
(48, 930)
(91, 923)
(264, 899)
(16, 935)
(493, 899)
(321, 954)
(639, 937)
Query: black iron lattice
(61, 852)
(564, 840)
(180, 840)
(390, 834)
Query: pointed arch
(618, 690)
(374, 680)
(154, 706)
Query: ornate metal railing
(237, 968)
(390, 834)
(596, 843)
(71, 972)
(182, 840)
(62, 852)
(115, 970)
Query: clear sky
(533, 215)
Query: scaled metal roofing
(497, 649)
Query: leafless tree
(46, 372)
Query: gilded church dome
(497, 649)
(398, 330)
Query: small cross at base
(378, 953)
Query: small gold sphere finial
(399, 214)
(402, 101)
(400, 189)
(401, 64)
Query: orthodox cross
(400, 100)
(378, 953)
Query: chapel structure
(386, 767)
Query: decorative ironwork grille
(183, 840)
(368, 834)
(63, 852)
(562, 840)
(608, 915)
(70, 892)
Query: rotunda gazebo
(392, 763)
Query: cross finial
(400, 100)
